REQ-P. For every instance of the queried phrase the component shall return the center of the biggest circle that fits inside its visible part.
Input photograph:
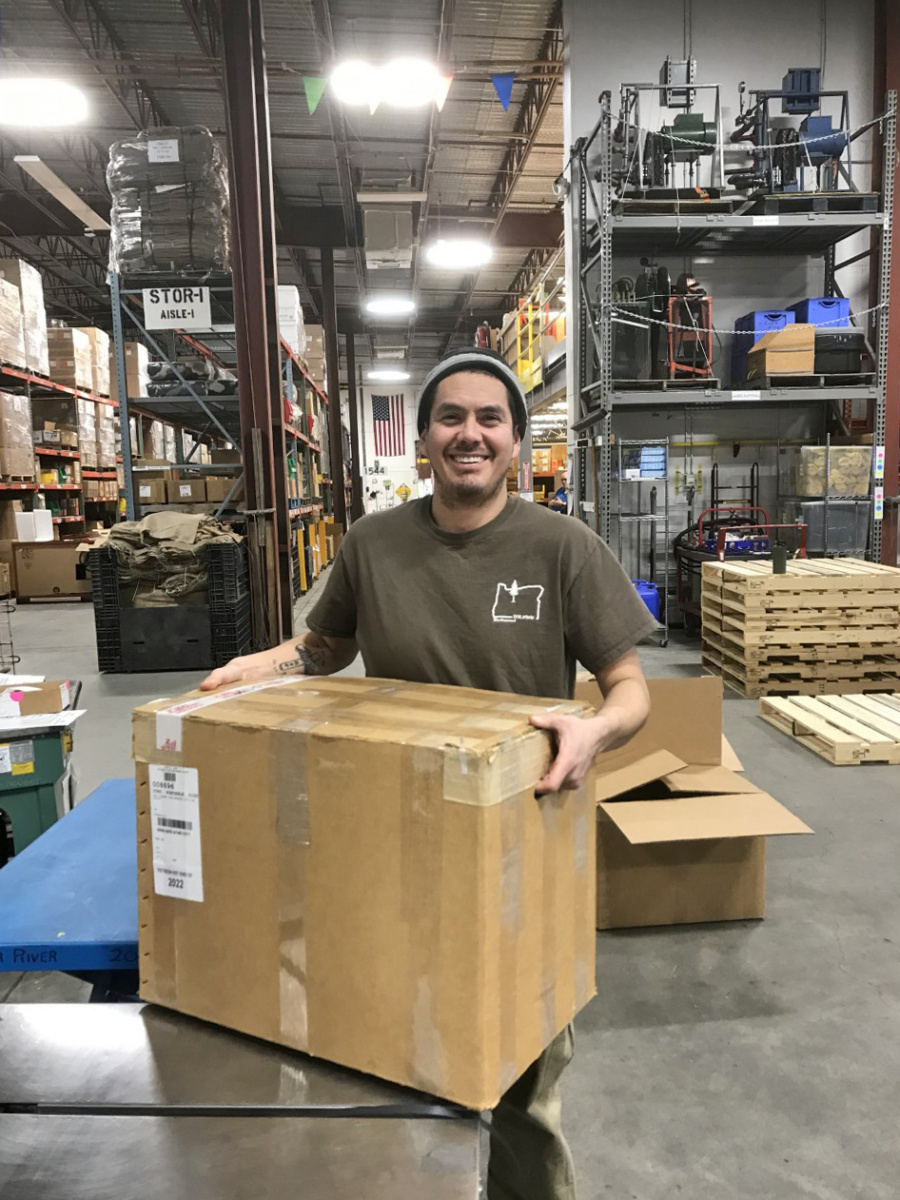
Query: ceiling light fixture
(41, 103)
(388, 375)
(400, 83)
(356, 82)
(390, 306)
(460, 253)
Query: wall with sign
(389, 440)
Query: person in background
(559, 501)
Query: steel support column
(888, 35)
(356, 493)
(255, 315)
(332, 364)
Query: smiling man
(473, 588)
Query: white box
(34, 526)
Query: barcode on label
(173, 823)
(169, 776)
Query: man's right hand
(246, 668)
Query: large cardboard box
(151, 491)
(100, 349)
(680, 838)
(45, 569)
(185, 491)
(137, 375)
(788, 351)
(358, 868)
(218, 487)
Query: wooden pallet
(752, 689)
(845, 730)
(828, 202)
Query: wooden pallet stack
(845, 730)
(826, 627)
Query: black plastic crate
(229, 580)
(232, 632)
(103, 570)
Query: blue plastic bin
(649, 593)
(758, 324)
(819, 309)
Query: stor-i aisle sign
(182, 307)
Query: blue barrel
(649, 593)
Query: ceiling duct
(388, 238)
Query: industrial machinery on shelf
(735, 532)
(661, 330)
(647, 161)
(782, 154)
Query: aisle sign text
(182, 307)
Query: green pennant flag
(314, 86)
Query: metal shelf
(48, 450)
(734, 233)
(60, 487)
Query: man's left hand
(578, 741)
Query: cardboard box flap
(707, 781)
(729, 757)
(699, 818)
(621, 772)
(685, 717)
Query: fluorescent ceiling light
(44, 103)
(461, 253)
(388, 375)
(390, 306)
(48, 179)
(382, 196)
(356, 82)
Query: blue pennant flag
(503, 85)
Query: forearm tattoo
(307, 662)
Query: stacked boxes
(849, 471)
(106, 438)
(87, 431)
(825, 627)
(70, 358)
(12, 336)
(290, 318)
(34, 317)
(100, 346)
(154, 438)
(16, 443)
(315, 356)
(137, 377)
(185, 491)
(55, 422)
(788, 351)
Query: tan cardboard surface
(729, 757)
(695, 818)
(619, 771)
(380, 886)
(693, 780)
(48, 569)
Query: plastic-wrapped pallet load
(34, 317)
(16, 442)
(12, 336)
(169, 202)
(70, 358)
(106, 439)
(99, 340)
(290, 318)
(87, 431)
(849, 470)
(137, 378)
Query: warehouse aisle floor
(718, 1062)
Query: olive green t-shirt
(510, 607)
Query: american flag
(390, 433)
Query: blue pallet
(817, 310)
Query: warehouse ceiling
(483, 170)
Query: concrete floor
(717, 1062)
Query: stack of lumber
(826, 627)
(846, 730)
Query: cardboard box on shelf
(70, 357)
(100, 347)
(788, 351)
(681, 839)
(185, 491)
(137, 377)
(154, 438)
(27, 279)
(46, 569)
(218, 487)
(224, 456)
(160, 469)
(12, 335)
(372, 856)
(151, 491)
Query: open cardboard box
(681, 837)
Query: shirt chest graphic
(517, 602)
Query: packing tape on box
(168, 720)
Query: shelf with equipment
(609, 221)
